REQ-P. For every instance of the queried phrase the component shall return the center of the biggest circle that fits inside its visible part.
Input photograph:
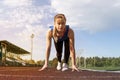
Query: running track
(32, 73)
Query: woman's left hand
(74, 68)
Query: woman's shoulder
(49, 33)
(51, 27)
(50, 30)
(70, 32)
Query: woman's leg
(59, 46)
(66, 51)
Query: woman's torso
(64, 35)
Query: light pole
(32, 36)
(80, 52)
(84, 62)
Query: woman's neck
(60, 33)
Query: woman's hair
(62, 16)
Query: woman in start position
(61, 33)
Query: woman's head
(62, 16)
(60, 22)
(59, 25)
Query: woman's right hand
(44, 67)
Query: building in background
(10, 52)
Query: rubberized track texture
(32, 73)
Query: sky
(95, 24)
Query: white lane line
(101, 71)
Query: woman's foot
(59, 66)
(64, 67)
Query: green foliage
(31, 61)
(99, 62)
(39, 63)
(93, 62)
(54, 62)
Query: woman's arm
(72, 49)
(48, 49)
(48, 46)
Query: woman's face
(60, 24)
